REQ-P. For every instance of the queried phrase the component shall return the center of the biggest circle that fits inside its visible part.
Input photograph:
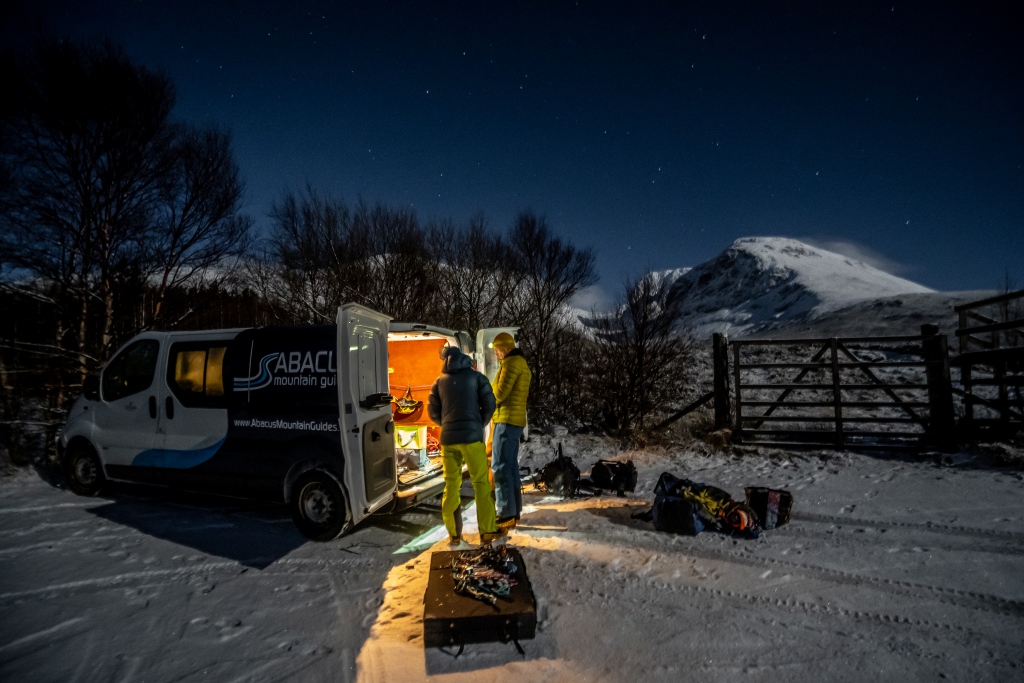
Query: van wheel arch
(318, 455)
(83, 467)
(320, 505)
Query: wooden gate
(991, 361)
(869, 392)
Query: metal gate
(864, 392)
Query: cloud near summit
(862, 253)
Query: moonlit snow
(762, 282)
(891, 570)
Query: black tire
(319, 507)
(84, 469)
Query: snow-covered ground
(891, 569)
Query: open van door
(486, 361)
(364, 400)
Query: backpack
(560, 476)
(677, 515)
(688, 507)
(673, 511)
(771, 506)
(616, 476)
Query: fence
(869, 392)
(991, 360)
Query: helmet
(504, 341)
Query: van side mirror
(91, 387)
(374, 401)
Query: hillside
(762, 283)
(887, 316)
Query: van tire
(319, 506)
(83, 469)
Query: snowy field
(891, 570)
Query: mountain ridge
(784, 286)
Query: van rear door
(364, 400)
(486, 361)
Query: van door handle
(169, 408)
(374, 436)
(152, 407)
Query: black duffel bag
(673, 511)
(614, 476)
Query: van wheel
(84, 470)
(318, 506)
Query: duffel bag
(677, 515)
(614, 476)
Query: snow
(762, 281)
(892, 569)
(885, 316)
(771, 284)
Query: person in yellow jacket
(511, 386)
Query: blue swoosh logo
(260, 380)
(176, 459)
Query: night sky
(655, 134)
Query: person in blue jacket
(461, 402)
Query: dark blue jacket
(461, 400)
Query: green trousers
(475, 457)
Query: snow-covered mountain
(761, 282)
(781, 287)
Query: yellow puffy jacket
(511, 386)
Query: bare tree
(310, 261)
(86, 142)
(105, 203)
(402, 281)
(640, 355)
(474, 274)
(197, 226)
(552, 272)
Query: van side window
(195, 374)
(130, 371)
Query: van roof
(413, 328)
(198, 334)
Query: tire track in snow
(118, 579)
(14, 645)
(792, 604)
(984, 602)
(47, 508)
(287, 565)
(920, 526)
(59, 543)
(853, 533)
(42, 527)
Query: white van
(330, 419)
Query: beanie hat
(504, 341)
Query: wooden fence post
(941, 417)
(720, 347)
(837, 393)
(965, 374)
(737, 431)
